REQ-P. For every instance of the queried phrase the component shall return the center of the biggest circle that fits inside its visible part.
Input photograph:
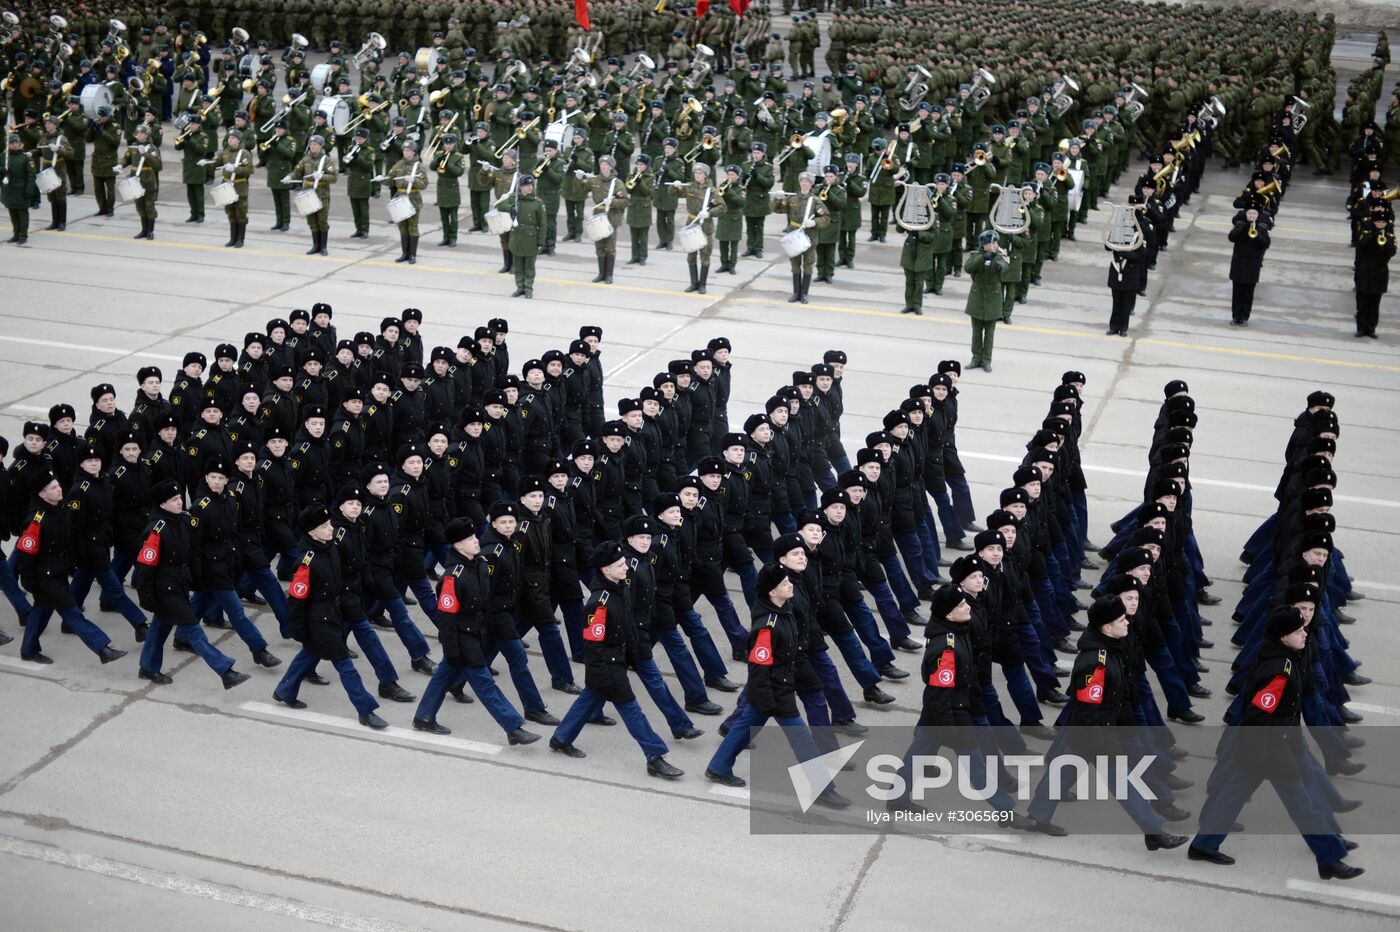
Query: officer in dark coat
(463, 596)
(381, 591)
(1250, 234)
(501, 548)
(610, 646)
(314, 617)
(45, 551)
(163, 580)
(1375, 247)
(1125, 271)
(90, 501)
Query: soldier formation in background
(965, 102)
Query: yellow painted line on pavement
(828, 308)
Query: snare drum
(560, 133)
(48, 181)
(130, 188)
(498, 222)
(692, 238)
(337, 113)
(401, 208)
(225, 194)
(597, 228)
(321, 79)
(795, 243)
(306, 201)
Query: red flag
(762, 652)
(701, 8)
(447, 599)
(1267, 699)
(150, 550)
(581, 14)
(301, 583)
(740, 7)
(946, 675)
(597, 629)
(29, 540)
(1092, 691)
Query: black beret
(1106, 611)
(988, 538)
(1133, 558)
(165, 490)
(1283, 619)
(787, 543)
(504, 510)
(835, 496)
(104, 389)
(459, 529)
(530, 484)
(312, 517)
(606, 554)
(770, 578)
(945, 599)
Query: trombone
(520, 133)
(281, 112)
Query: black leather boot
(704, 275)
(694, 274)
(403, 248)
(796, 288)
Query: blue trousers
(1044, 594)
(303, 663)
(10, 586)
(818, 716)
(728, 620)
(519, 663)
(412, 639)
(434, 555)
(1173, 686)
(786, 522)
(927, 743)
(692, 684)
(904, 593)
(859, 664)
(1018, 684)
(94, 637)
(153, 651)
(913, 553)
(660, 693)
(1002, 732)
(423, 592)
(552, 646)
(836, 699)
(113, 594)
(962, 499)
(586, 707)
(748, 583)
(928, 540)
(889, 609)
(1042, 807)
(860, 617)
(572, 612)
(1231, 788)
(122, 562)
(227, 599)
(264, 583)
(794, 729)
(947, 515)
(1042, 670)
(447, 677)
(706, 653)
(374, 651)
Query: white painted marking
(89, 348)
(393, 731)
(220, 893)
(1346, 893)
(25, 665)
(733, 792)
(612, 373)
(1374, 709)
(1367, 584)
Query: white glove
(703, 216)
(808, 224)
(514, 224)
(579, 173)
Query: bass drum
(1076, 190)
(94, 96)
(321, 79)
(562, 134)
(337, 114)
(426, 62)
(818, 163)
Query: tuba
(643, 63)
(1061, 100)
(916, 89)
(1131, 104)
(374, 43)
(1009, 215)
(699, 67)
(982, 81)
(1300, 119)
(1123, 232)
